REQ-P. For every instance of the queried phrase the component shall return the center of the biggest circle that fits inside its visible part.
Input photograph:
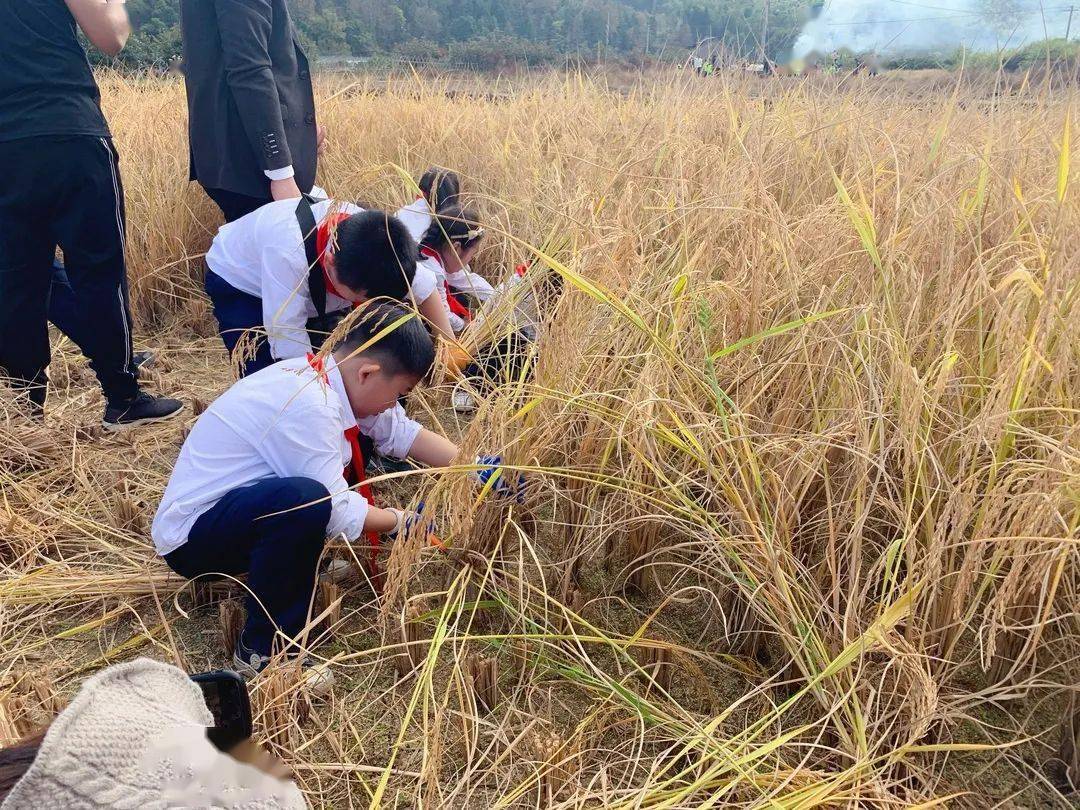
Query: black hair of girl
(15, 760)
(440, 187)
(455, 223)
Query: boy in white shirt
(259, 482)
(291, 267)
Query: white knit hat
(135, 737)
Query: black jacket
(250, 103)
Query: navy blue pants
(237, 312)
(274, 532)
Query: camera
(227, 698)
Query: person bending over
(440, 188)
(450, 243)
(258, 486)
(292, 268)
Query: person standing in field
(251, 108)
(62, 188)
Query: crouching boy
(259, 486)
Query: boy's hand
(406, 521)
(507, 484)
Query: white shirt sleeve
(306, 442)
(284, 173)
(424, 282)
(466, 281)
(457, 323)
(285, 302)
(392, 431)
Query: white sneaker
(339, 570)
(318, 679)
(463, 401)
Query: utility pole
(1068, 28)
(765, 32)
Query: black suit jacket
(250, 103)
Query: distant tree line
(493, 33)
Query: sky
(897, 26)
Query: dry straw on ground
(802, 436)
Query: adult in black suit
(251, 109)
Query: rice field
(802, 439)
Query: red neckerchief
(456, 306)
(322, 244)
(354, 473)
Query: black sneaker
(142, 410)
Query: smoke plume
(911, 26)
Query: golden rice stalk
(1069, 747)
(558, 760)
(328, 600)
(231, 619)
(483, 680)
(413, 637)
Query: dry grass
(803, 437)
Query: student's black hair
(440, 187)
(405, 349)
(15, 760)
(453, 223)
(376, 254)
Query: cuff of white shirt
(402, 440)
(283, 173)
(348, 514)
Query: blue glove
(507, 484)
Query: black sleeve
(245, 26)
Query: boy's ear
(365, 368)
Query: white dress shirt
(416, 216)
(282, 422)
(262, 254)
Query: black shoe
(141, 360)
(140, 411)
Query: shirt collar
(337, 384)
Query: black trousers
(274, 532)
(64, 191)
(233, 205)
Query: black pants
(274, 532)
(499, 362)
(64, 311)
(64, 191)
(234, 205)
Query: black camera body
(227, 698)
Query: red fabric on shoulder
(456, 306)
(354, 473)
(322, 243)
